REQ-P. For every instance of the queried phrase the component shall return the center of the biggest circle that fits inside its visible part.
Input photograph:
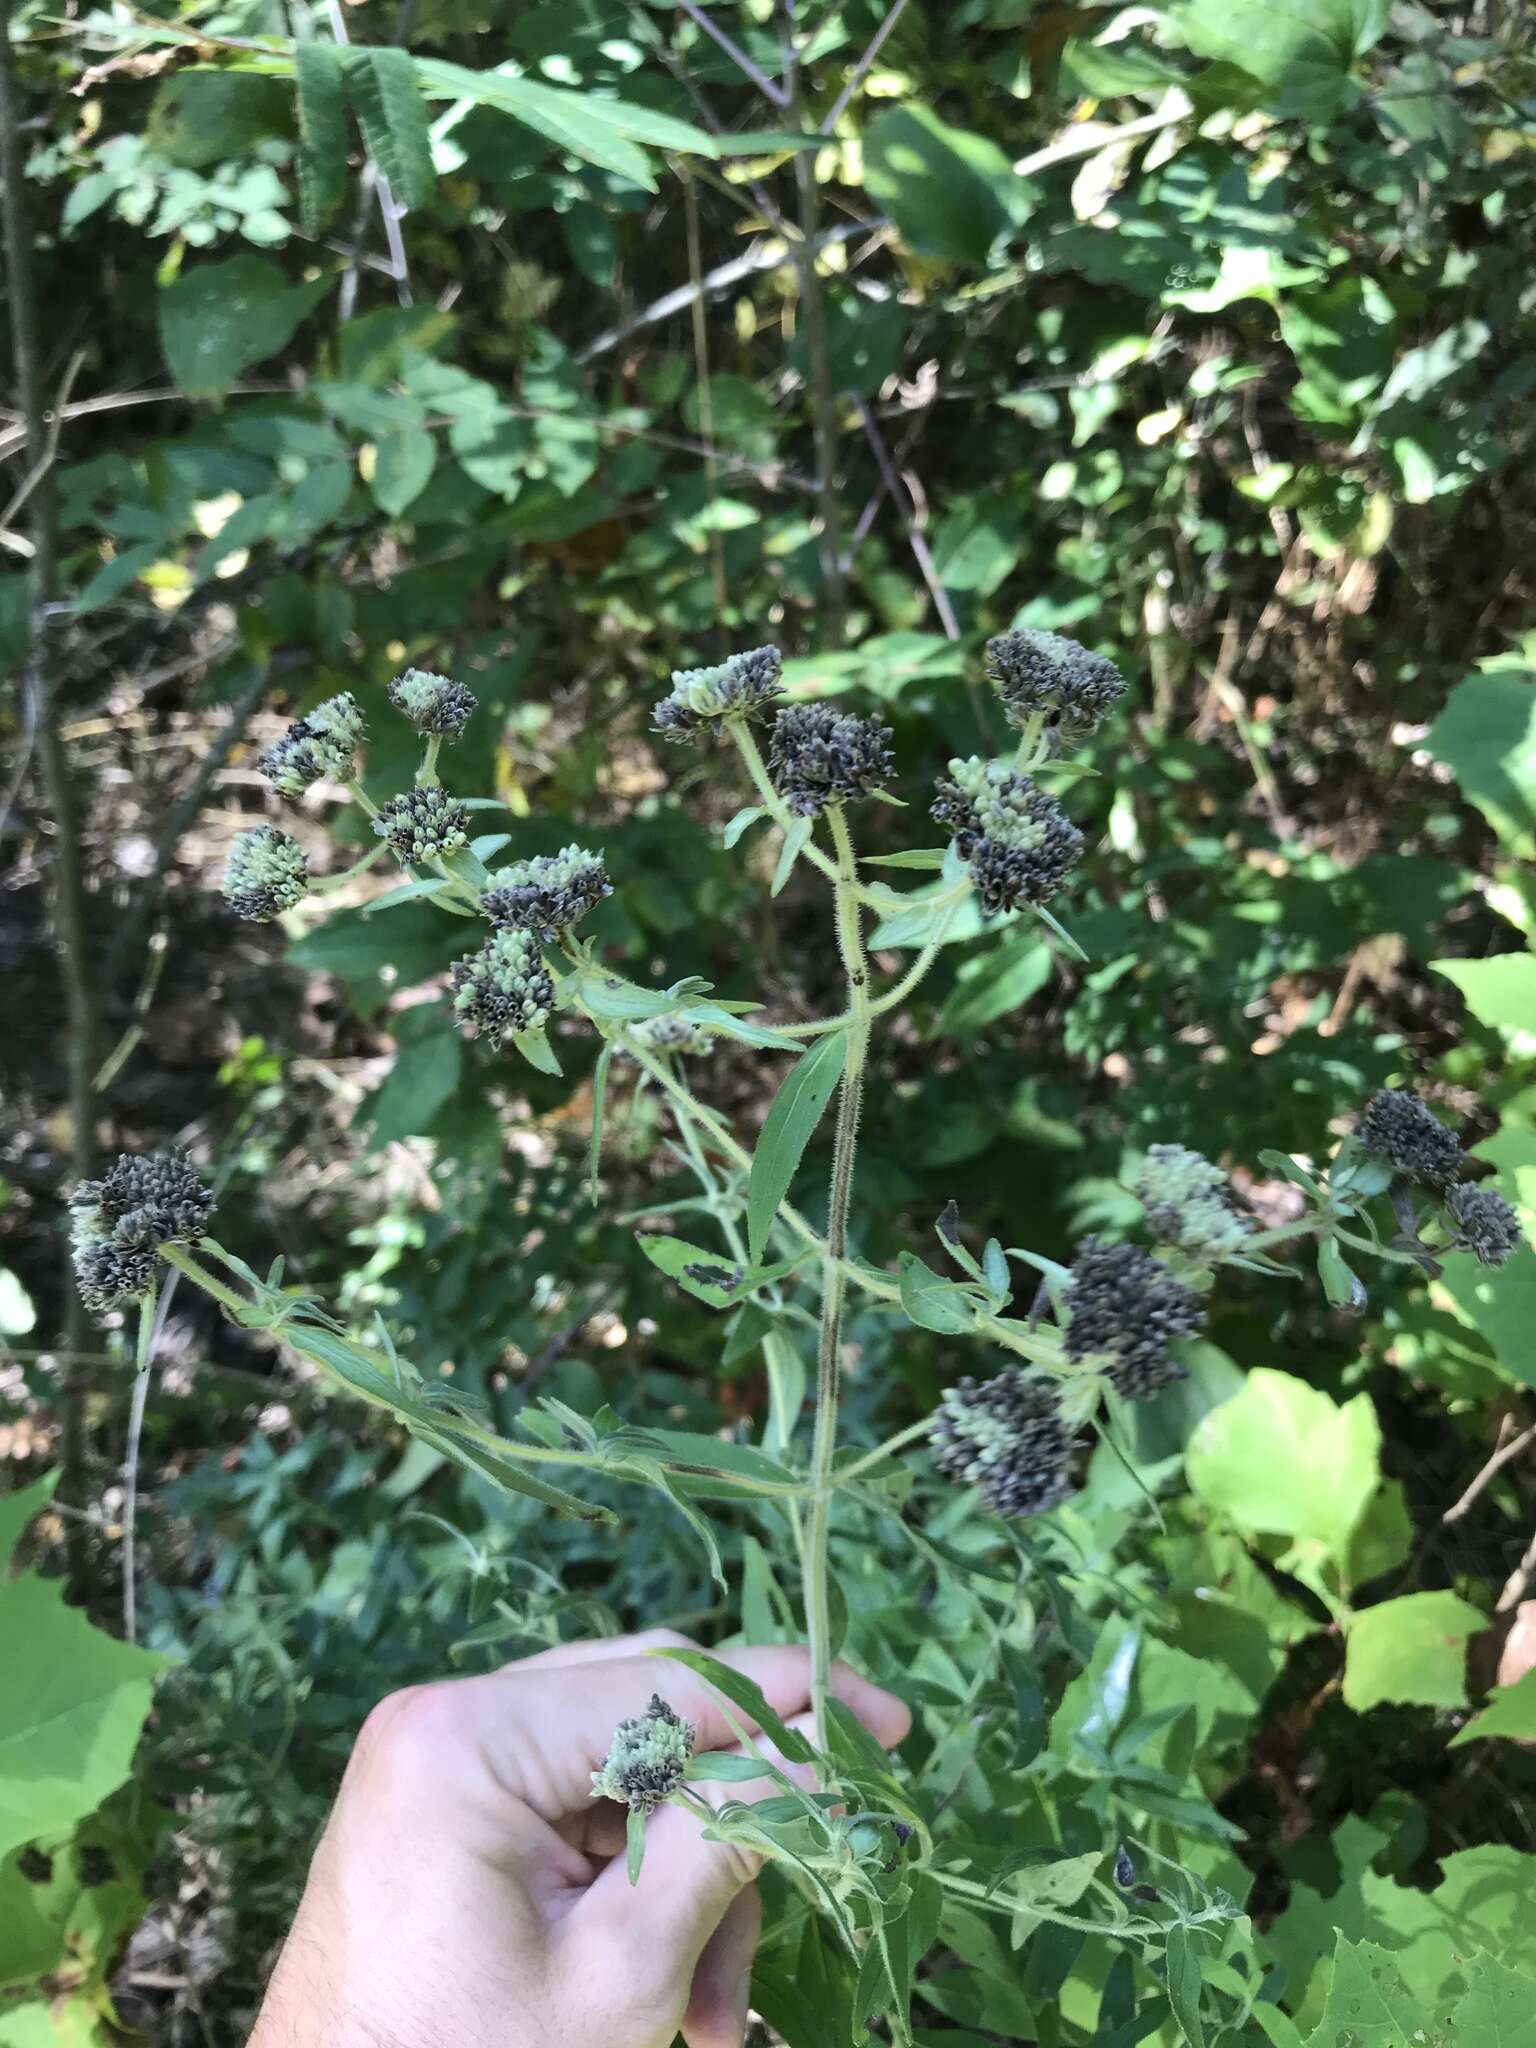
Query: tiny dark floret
(1047, 676)
(505, 987)
(647, 1760)
(1006, 1437)
(1400, 1129)
(548, 894)
(1017, 841)
(266, 874)
(433, 704)
(1127, 1310)
(820, 757)
(1482, 1222)
(423, 824)
(702, 699)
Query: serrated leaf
(1510, 1712)
(793, 1115)
(220, 318)
(322, 108)
(1412, 1650)
(386, 96)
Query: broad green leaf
(216, 320)
(18, 1509)
(634, 1844)
(402, 468)
(1284, 1459)
(794, 1114)
(536, 1049)
(1183, 1966)
(1499, 2009)
(71, 1709)
(742, 1693)
(1487, 735)
(1510, 1712)
(950, 193)
(1412, 1650)
(932, 1302)
(424, 1076)
(576, 122)
(1499, 1302)
(1300, 51)
(322, 101)
(393, 117)
(1500, 992)
(994, 984)
(1369, 2006)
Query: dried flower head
(1045, 675)
(266, 874)
(673, 1034)
(820, 757)
(323, 742)
(746, 686)
(1126, 1309)
(548, 894)
(505, 987)
(1398, 1128)
(647, 1759)
(422, 824)
(120, 1222)
(1017, 841)
(1005, 1436)
(433, 704)
(1482, 1222)
(108, 1273)
(1189, 1201)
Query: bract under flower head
(702, 699)
(1017, 841)
(266, 874)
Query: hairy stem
(850, 944)
(896, 993)
(149, 1309)
(773, 803)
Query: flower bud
(1189, 1202)
(745, 686)
(820, 757)
(672, 1033)
(266, 874)
(647, 1759)
(548, 894)
(1006, 1437)
(1398, 1128)
(433, 704)
(505, 987)
(423, 824)
(1017, 840)
(1482, 1222)
(1126, 1309)
(324, 742)
(1045, 675)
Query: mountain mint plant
(1062, 1360)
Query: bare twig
(1508, 1448)
(374, 185)
(768, 87)
(120, 1054)
(857, 76)
(1518, 1582)
(922, 554)
(39, 470)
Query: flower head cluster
(548, 894)
(1481, 1221)
(505, 987)
(820, 757)
(1189, 1201)
(1017, 841)
(647, 1759)
(433, 704)
(266, 874)
(1045, 675)
(1398, 1128)
(120, 1222)
(1005, 1436)
(422, 824)
(1126, 1309)
(323, 742)
(746, 686)
(673, 1033)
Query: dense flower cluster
(266, 874)
(1398, 1128)
(647, 1760)
(324, 742)
(746, 686)
(1125, 1312)
(1017, 840)
(1046, 676)
(1481, 1221)
(423, 824)
(548, 894)
(120, 1222)
(433, 704)
(1005, 1436)
(820, 757)
(673, 1034)
(1189, 1201)
(505, 987)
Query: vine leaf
(393, 118)
(796, 1111)
(322, 132)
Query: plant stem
(751, 754)
(913, 1433)
(850, 944)
(427, 772)
(148, 1311)
(896, 993)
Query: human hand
(468, 1889)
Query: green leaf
(1283, 1459)
(1339, 1283)
(71, 1709)
(216, 320)
(1510, 1712)
(424, 1076)
(995, 984)
(794, 1114)
(634, 1844)
(536, 1049)
(931, 1302)
(1499, 2010)
(393, 117)
(17, 1509)
(318, 73)
(402, 469)
(1369, 2006)
(599, 1097)
(795, 839)
(595, 130)
(949, 192)
(1300, 51)
(741, 1692)
(1500, 992)
(721, 1766)
(1412, 1650)
(1184, 1985)
(1487, 735)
